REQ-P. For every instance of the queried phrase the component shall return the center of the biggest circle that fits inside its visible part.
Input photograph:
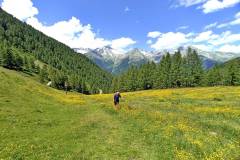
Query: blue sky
(125, 24)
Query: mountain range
(115, 61)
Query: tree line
(12, 59)
(175, 71)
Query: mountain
(63, 62)
(105, 57)
(132, 58)
(217, 56)
(115, 61)
(207, 62)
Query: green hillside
(76, 69)
(38, 122)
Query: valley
(38, 122)
(180, 85)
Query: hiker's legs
(116, 105)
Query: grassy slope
(37, 122)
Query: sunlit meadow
(37, 122)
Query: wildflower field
(38, 122)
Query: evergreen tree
(197, 69)
(163, 79)
(25, 63)
(131, 77)
(213, 77)
(175, 73)
(31, 64)
(18, 62)
(115, 84)
(185, 73)
(232, 75)
(192, 69)
(43, 75)
(8, 59)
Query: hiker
(116, 99)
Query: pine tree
(159, 73)
(131, 77)
(25, 63)
(197, 70)
(232, 75)
(31, 64)
(18, 62)
(192, 69)
(8, 60)
(175, 73)
(163, 72)
(115, 84)
(43, 75)
(213, 77)
(185, 73)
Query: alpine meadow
(74, 90)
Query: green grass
(38, 122)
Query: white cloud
(204, 47)
(21, 9)
(70, 32)
(224, 38)
(207, 41)
(210, 38)
(223, 25)
(170, 40)
(188, 3)
(182, 27)
(212, 25)
(237, 15)
(205, 36)
(149, 41)
(75, 36)
(236, 21)
(191, 34)
(154, 34)
(230, 48)
(208, 6)
(122, 43)
(78, 35)
(215, 5)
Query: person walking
(116, 98)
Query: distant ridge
(116, 62)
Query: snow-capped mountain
(134, 57)
(116, 61)
(217, 56)
(214, 55)
(109, 53)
